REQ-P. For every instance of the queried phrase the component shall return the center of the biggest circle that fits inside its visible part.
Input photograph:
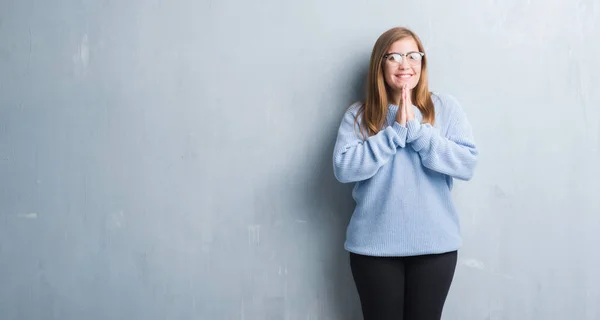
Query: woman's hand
(405, 110)
(401, 114)
(407, 102)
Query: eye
(415, 56)
(395, 57)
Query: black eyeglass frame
(402, 55)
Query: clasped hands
(405, 108)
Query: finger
(405, 103)
(401, 100)
(403, 95)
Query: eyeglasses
(413, 57)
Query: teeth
(405, 76)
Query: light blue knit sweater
(403, 179)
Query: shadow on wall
(334, 200)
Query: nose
(405, 64)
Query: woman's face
(405, 68)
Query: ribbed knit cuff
(401, 132)
(414, 130)
(416, 134)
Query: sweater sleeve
(454, 154)
(356, 159)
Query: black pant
(403, 288)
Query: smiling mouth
(404, 76)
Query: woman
(402, 148)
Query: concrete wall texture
(172, 159)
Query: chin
(398, 86)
